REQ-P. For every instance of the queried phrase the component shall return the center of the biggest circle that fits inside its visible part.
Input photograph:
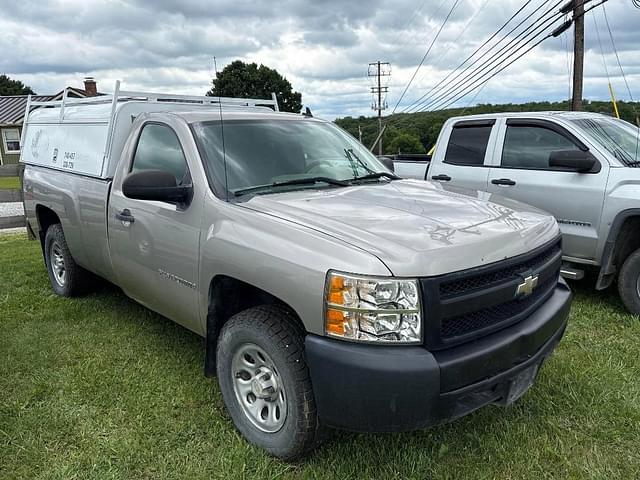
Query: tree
(13, 87)
(248, 80)
(426, 125)
(404, 143)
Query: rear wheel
(629, 283)
(265, 381)
(67, 278)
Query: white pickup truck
(581, 167)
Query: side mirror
(576, 160)
(387, 162)
(155, 185)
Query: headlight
(372, 309)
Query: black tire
(629, 283)
(76, 279)
(274, 330)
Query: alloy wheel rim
(57, 264)
(258, 388)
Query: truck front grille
(466, 305)
(485, 280)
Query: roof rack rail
(123, 96)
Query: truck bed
(81, 204)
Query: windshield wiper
(351, 155)
(372, 175)
(377, 175)
(295, 181)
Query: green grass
(99, 387)
(9, 183)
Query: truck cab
(579, 166)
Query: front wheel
(629, 283)
(265, 381)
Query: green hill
(417, 132)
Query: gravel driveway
(11, 209)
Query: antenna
(224, 153)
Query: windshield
(620, 138)
(262, 153)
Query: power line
(557, 31)
(606, 69)
(409, 107)
(455, 4)
(402, 32)
(519, 42)
(615, 50)
(473, 87)
(410, 21)
(462, 31)
(604, 61)
(474, 98)
(516, 44)
(569, 71)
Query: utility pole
(578, 54)
(379, 70)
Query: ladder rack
(125, 95)
(132, 96)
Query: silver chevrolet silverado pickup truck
(329, 292)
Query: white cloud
(322, 46)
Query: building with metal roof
(12, 110)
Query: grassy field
(9, 183)
(99, 387)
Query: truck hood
(416, 228)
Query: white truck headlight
(371, 309)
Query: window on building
(11, 140)
(468, 145)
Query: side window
(159, 149)
(468, 145)
(529, 147)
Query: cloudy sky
(322, 46)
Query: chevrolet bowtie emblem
(527, 286)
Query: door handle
(503, 181)
(441, 178)
(125, 216)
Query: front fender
(287, 260)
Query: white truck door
(155, 245)
(522, 172)
(460, 160)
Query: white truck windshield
(620, 138)
(267, 156)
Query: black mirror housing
(156, 185)
(575, 160)
(387, 162)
